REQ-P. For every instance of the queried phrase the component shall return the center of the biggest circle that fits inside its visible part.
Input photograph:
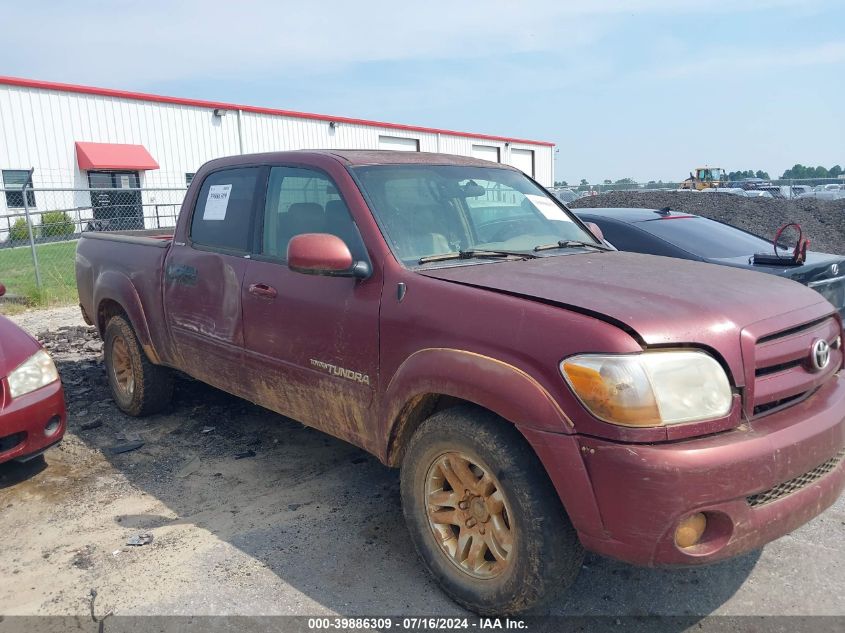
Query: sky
(643, 89)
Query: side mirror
(2, 290)
(324, 254)
(595, 230)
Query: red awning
(114, 156)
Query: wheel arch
(433, 379)
(116, 295)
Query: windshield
(707, 238)
(427, 210)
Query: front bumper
(637, 494)
(24, 422)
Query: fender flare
(508, 391)
(117, 287)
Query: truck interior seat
(302, 217)
(339, 222)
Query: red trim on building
(198, 103)
(114, 156)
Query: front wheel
(483, 515)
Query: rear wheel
(138, 386)
(483, 515)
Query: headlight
(650, 389)
(35, 372)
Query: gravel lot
(301, 524)
(823, 221)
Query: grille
(771, 407)
(11, 441)
(794, 485)
(783, 374)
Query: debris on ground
(144, 538)
(89, 426)
(190, 468)
(245, 454)
(93, 597)
(117, 449)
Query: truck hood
(658, 300)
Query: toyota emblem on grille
(820, 355)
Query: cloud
(136, 43)
(744, 61)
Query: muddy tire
(483, 515)
(138, 387)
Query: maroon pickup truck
(541, 392)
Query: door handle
(263, 290)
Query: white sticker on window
(217, 202)
(548, 208)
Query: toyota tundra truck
(541, 393)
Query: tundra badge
(334, 370)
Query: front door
(311, 342)
(115, 200)
(203, 277)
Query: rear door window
(224, 212)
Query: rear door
(203, 276)
(311, 342)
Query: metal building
(81, 137)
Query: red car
(32, 405)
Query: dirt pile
(823, 221)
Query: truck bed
(126, 268)
(151, 237)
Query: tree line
(795, 172)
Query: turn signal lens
(619, 393)
(650, 389)
(690, 530)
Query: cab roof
(353, 157)
(393, 157)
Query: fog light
(52, 426)
(690, 530)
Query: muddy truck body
(541, 393)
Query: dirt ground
(252, 513)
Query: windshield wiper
(571, 244)
(475, 253)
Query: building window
(189, 177)
(398, 143)
(13, 181)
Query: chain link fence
(40, 228)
